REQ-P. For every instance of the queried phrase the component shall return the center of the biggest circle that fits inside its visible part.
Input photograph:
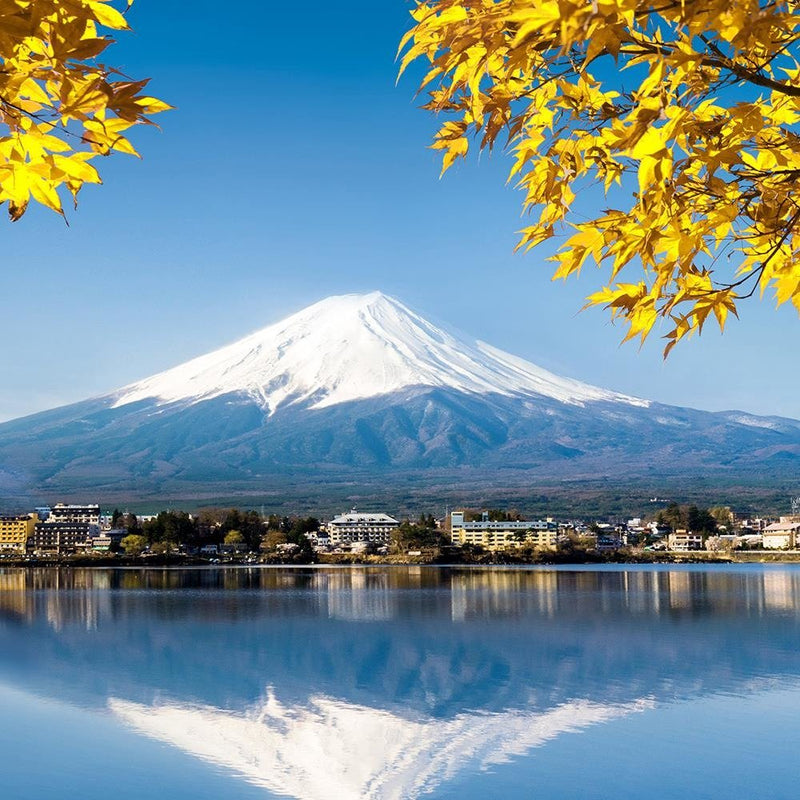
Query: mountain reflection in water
(386, 682)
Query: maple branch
(755, 77)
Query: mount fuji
(351, 348)
(360, 386)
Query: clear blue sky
(295, 168)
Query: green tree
(672, 517)
(273, 538)
(427, 521)
(133, 544)
(701, 521)
(171, 528)
(131, 523)
(235, 539)
(299, 527)
(408, 536)
(252, 528)
(722, 515)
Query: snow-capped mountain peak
(353, 347)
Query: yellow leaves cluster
(59, 107)
(707, 131)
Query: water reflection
(386, 682)
(370, 594)
(327, 748)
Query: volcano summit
(360, 385)
(350, 348)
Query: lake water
(404, 682)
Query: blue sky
(295, 168)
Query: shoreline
(346, 560)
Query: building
(62, 537)
(683, 541)
(657, 531)
(781, 535)
(61, 512)
(498, 535)
(15, 532)
(357, 526)
(319, 539)
(607, 542)
(108, 539)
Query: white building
(683, 541)
(781, 535)
(357, 526)
(319, 539)
(85, 514)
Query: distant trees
(692, 518)
(427, 521)
(299, 527)
(125, 521)
(233, 527)
(701, 520)
(171, 528)
(291, 531)
(671, 517)
(415, 536)
(495, 515)
(722, 515)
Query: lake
(400, 682)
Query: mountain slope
(360, 386)
(354, 347)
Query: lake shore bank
(349, 559)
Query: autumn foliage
(685, 112)
(60, 107)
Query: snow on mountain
(353, 347)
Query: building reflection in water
(62, 596)
(375, 593)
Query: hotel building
(15, 532)
(498, 535)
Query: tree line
(242, 530)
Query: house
(683, 541)
(320, 540)
(608, 541)
(781, 535)
(109, 539)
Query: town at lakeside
(86, 535)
